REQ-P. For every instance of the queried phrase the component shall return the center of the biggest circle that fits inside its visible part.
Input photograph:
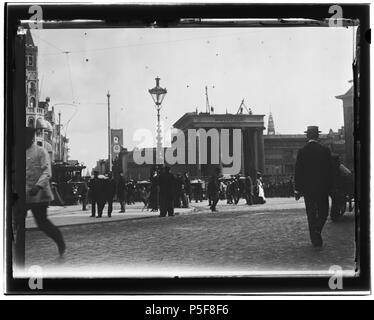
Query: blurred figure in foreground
(38, 189)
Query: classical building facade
(251, 127)
(251, 148)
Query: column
(260, 146)
(255, 150)
(220, 151)
(247, 142)
(242, 166)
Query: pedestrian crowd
(165, 191)
(281, 189)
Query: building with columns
(252, 146)
(252, 142)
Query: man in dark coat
(213, 189)
(167, 184)
(248, 189)
(313, 180)
(102, 185)
(110, 191)
(94, 189)
(178, 191)
(154, 191)
(187, 184)
(121, 192)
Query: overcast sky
(293, 72)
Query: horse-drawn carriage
(67, 183)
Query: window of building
(289, 168)
(32, 103)
(29, 60)
(31, 123)
(278, 170)
(277, 155)
(32, 88)
(288, 154)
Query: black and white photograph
(206, 148)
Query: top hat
(312, 129)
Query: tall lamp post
(158, 95)
(109, 144)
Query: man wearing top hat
(313, 180)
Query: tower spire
(207, 100)
(271, 129)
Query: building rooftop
(204, 119)
(29, 41)
(43, 104)
(296, 136)
(348, 94)
(50, 116)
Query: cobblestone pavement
(239, 239)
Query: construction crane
(242, 107)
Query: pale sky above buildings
(293, 72)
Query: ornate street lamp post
(158, 95)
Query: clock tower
(116, 139)
(33, 112)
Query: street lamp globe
(157, 93)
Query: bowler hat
(312, 129)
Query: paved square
(237, 239)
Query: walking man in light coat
(38, 189)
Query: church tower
(271, 130)
(34, 112)
(32, 90)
